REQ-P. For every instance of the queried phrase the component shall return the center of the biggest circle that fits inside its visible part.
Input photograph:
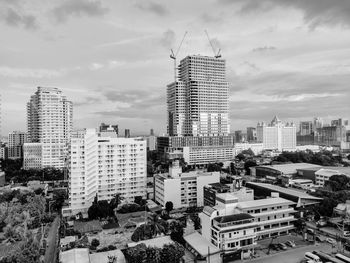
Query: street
(293, 255)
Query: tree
(338, 182)
(240, 156)
(95, 242)
(169, 206)
(248, 164)
(177, 232)
(248, 152)
(157, 227)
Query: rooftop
(200, 244)
(290, 168)
(264, 202)
(340, 169)
(154, 242)
(75, 255)
(292, 192)
(233, 218)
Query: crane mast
(174, 55)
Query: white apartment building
(16, 139)
(208, 154)
(182, 189)
(230, 222)
(50, 122)
(102, 165)
(277, 135)
(32, 156)
(198, 100)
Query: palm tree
(157, 226)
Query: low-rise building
(233, 224)
(182, 189)
(323, 175)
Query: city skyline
(270, 73)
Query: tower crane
(173, 56)
(216, 54)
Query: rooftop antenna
(173, 56)
(216, 55)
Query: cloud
(29, 73)
(152, 7)
(87, 101)
(18, 18)
(316, 12)
(79, 8)
(168, 39)
(211, 19)
(264, 49)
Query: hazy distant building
(306, 128)
(127, 133)
(3, 151)
(16, 139)
(50, 122)
(103, 166)
(105, 127)
(240, 136)
(277, 135)
(251, 134)
(151, 132)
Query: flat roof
(75, 255)
(233, 218)
(289, 168)
(292, 192)
(154, 242)
(265, 202)
(200, 244)
(301, 180)
(340, 169)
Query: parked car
(282, 246)
(290, 243)
(331, 241)
(319, 238)
(274, 247)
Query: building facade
(50, 122)
(102, 165)
(16, 139)
(251, 134)
(182, 189)
(198, 100)
(32, 156)
(277, 135)
(306, 128)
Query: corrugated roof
(200, 244)
(288, 191)
(233, 218)
(289, 168)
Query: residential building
(16, 139)
(32, 156)
(251, 134)
(240, 136)
(207, 154)
(323, 174)
(102, 165)
(3, 151)
(104, 127)
(127, 133)
(277, 135)
(334, 135)
(182, 189)
(50, 122)
(151, 142)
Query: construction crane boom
(216, 54)
(174, 56)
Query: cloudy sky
(111, 58)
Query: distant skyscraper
(318, 123)
(151, 132)
(16, 139)
(50, 121)
(104, 127)
(127, 133)
(306, 127)
(198, 101)
(277, 135)
(251, 134)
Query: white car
(331, 241)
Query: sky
(111, 58)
